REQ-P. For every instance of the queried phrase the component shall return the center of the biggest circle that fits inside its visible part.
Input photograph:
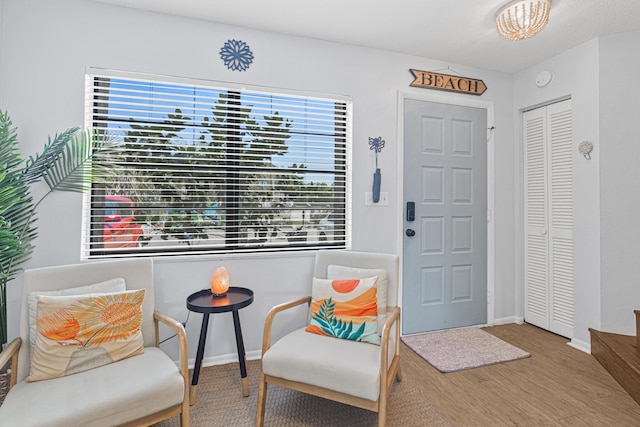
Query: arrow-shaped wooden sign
(429, 80)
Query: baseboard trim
(223, 359)
(580, 345)
(508, 320)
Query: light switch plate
(384, 199)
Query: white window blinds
(203, 168)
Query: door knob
(410, 232)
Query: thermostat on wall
(543, 78)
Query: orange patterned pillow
(81, 332)
(345, 309)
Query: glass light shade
(220, 282)
(522, 19)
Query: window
(201, 168)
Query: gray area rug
(457, 349)
(219, 402)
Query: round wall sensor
(543, 78)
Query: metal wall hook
(585, 149)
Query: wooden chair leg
(184, 415)
(399, 374)
(382, 411)
(262, 398)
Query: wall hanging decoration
(447, 82)
(236, 54)
(376, 144)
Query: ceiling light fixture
(521, 19)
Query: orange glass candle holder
(220, 282)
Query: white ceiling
(455, 31)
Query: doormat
(457, 349)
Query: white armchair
(356, 373)
(136, 391)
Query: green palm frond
(65, 164)
(18, 226)
(73, 169)
(16, 205)
(8, 196)
(12, 188)
(9, 245)
(9, 156)
(37, 166)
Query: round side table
(206, 303)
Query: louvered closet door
(536, 235)
(549, 218)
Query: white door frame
(464, 102)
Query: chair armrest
(266, 337)
(11, 353)
(386, 328)
(386, 331)
(182, 345)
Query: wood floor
(557, 386)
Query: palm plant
(65, 164)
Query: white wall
(599, 77)
(49, 43)
(619, 176)
(575, 75)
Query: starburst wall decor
(236, 55)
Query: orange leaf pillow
(81, 332)
(345, 309)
